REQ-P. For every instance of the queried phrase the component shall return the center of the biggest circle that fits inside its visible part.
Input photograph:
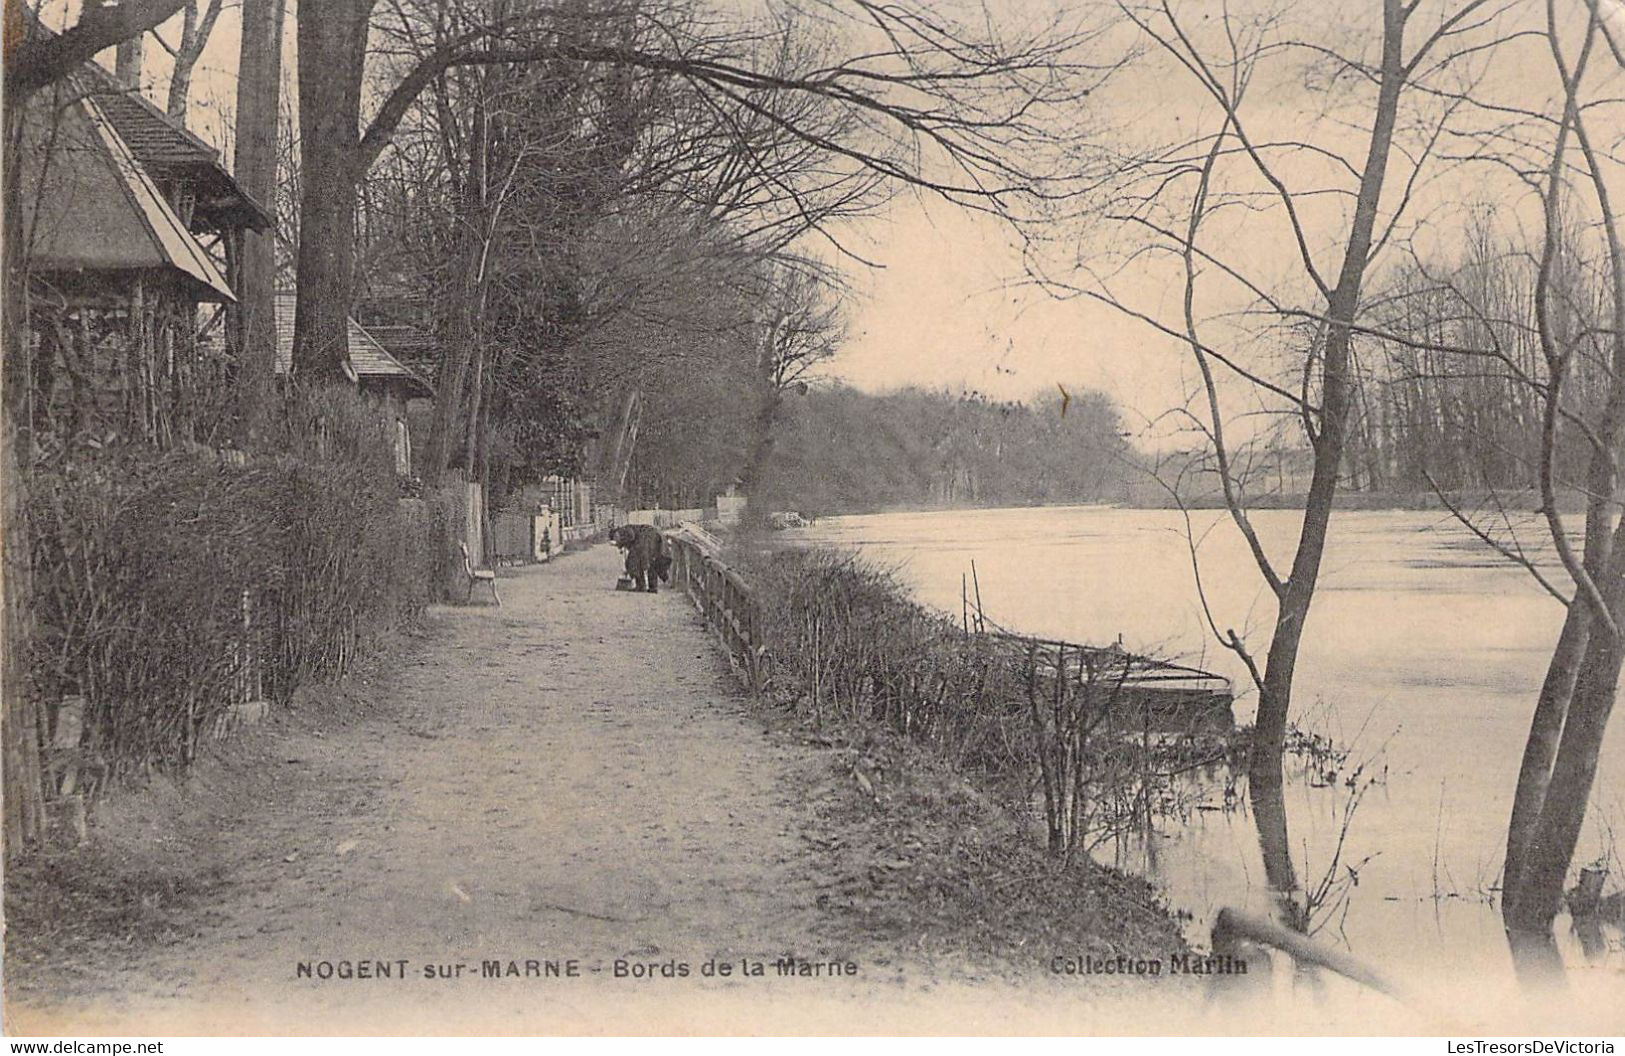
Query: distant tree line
(1447, 398)
(840, 450)
(1447, 365)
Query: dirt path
(569, 778)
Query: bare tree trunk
(127, 65)
(762, 443)
(22, 792)
(1275, 696)
(194, 36)
(253, 319)
(479, 462)
(16, 371)
(1264, 774)
(617, 461)
(1274, 844)
(472, 439)
(332, 54)
(1540, 750)
(462, 353)
(1539, 894)
(1534, 893)
(467, 316)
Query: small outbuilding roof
(416, 348)
(368, 360)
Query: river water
(1423, 655)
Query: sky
(949, 307)
(952, 306)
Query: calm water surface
(1423, 654)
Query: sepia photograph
(864, 518)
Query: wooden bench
(476, 576)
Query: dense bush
(846, 639)
(1035, 721)
(171, 585)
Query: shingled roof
(416, 348)
(368, 359)
(169, 151)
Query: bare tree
(1167, 200)
(252, 322)
(1550, 331)
(801, 327)
(195, 31)
(933, 88)
(1577, 696)
(1546, 327)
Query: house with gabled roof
(116, 277)
(368, 363)
(93, 215)
(402, 391)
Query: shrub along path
(571, 778)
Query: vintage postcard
(808, 517)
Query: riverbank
(572, 780)
(953, 717)
(1421, 637)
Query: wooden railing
(723, 600)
